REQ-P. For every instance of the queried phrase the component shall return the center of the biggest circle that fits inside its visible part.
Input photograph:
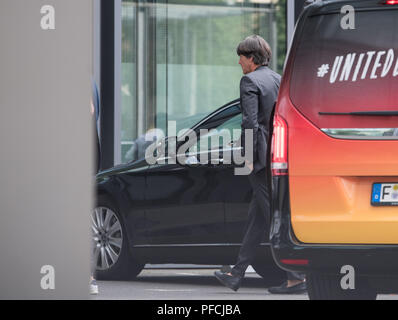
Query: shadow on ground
(199, 280)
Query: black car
(192, 213)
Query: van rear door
(343, 120)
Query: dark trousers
(258, 223)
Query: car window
(221, 117)
(338, 72)
(221, 135)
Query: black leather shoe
(232, 282)
(284, 289)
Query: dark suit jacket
(258, 93)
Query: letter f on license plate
(385, 194)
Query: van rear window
(338, 72)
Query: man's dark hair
(256, 47)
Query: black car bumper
(292, 255)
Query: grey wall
(45, 143)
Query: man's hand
(249, 165)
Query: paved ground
(191, 284)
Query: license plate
(385, 194)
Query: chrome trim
(361, 113)
(190, 154)
(363, 133)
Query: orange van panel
(338, 210)
(331, 182)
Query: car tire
(327, 287)
(272, 275)
(124, 266)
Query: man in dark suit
(258, 93)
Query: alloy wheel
(107, 238)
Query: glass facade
(179, 59)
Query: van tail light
(279, 164)
(391, 2)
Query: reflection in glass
(179, 58)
